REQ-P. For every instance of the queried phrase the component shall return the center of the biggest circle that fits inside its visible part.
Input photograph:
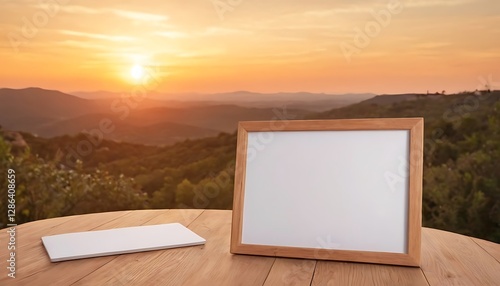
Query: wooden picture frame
(347, 190)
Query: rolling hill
(152, 120)
(156, 133)
(295, 100)
(164, 125)
(22, 107)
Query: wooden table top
(447, 258)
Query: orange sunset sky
(258, 45)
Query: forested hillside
(153, 119)
(461, 172)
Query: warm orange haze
(383, 46)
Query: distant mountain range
(154, 119)
(297, 100)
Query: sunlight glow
(137, 72)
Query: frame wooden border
(416, 128)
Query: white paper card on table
(88, 244)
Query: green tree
(184, 194)
(165, 197)
(45, 190)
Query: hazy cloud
(433, 45)
(75, 9)
(140, 16)
(171, 34)
(431, 3)
(113, 38)
(218, 31)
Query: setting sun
(137, 72)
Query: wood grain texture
(239, 189)
(327, 254)
(416, 167)
(451, 259)
(341, 273)
(492, 248)
(295, 272)
(447, 258)
(216, 266)
(333, 124)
